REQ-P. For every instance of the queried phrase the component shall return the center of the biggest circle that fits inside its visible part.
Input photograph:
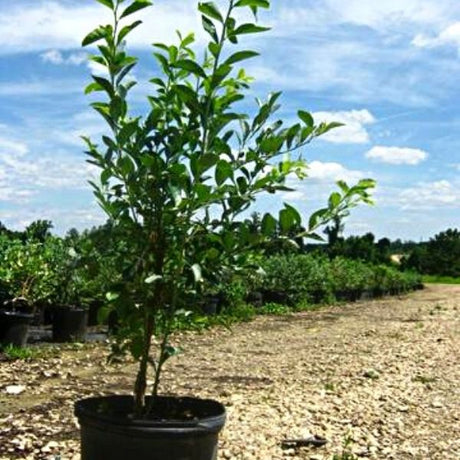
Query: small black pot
(280, 297)
(70, 324)
(210, 305)
(14, 328)
(255, 298)
(107, 431)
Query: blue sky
(389, 70)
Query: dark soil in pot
(14, 327)
(70, 324)
(178, 429)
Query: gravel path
(380, 376)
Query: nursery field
(376, 379)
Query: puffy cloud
(429, 195)
(52, 24)
(330, 171)
(353, 131)
(396, 155)
(55, 57)
(448, 36)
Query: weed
(272, 308)
(25, 353)
(346, 452)
(329, 386)
(424, 379)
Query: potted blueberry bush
(177, 182)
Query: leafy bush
(313, 278)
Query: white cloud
(50, 24)
(430, 195)
(354, 131)
(381, 16)
(396, 155)
(331, 171)
(9, 147)
(23, 172)
(448, 36)
(55, 57)
(320, 181)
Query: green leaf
(249, 29)
(136, 6)
(253, 3)
(187, 95)
(334, 200)
(190, 66)
(93, 87)
(152, 278)
(207, 160)
(94, 36)
(107, 3)
(224, 171)
(210, 28)
(306, 118)
(289, 217)
(197, 274)
(316, 218)
(111, 296)
(126, 30)
(240, 56)
(269, 224)
(104, 84)
(211, 10)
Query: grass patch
(12, 353)
(434, 279)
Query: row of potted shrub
(314, 278)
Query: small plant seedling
(346, 452)
(424, 379)
(329, 386)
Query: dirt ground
(380, 376)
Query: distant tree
(334, 231)
(39, 230)
(443, 254)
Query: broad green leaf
(206, 161)
(107, 3)
(306, 118)
(126, 30)
(94, 36)
(253, 3)
(224, 171)
(187, 95)
(191, 66)
(334, 200)
(93, 87)
(240, 56)
(210, 9)
(249, 29)
(316, 218)
(269, 225)
(135, 6)
(210, 28)
(104, 84)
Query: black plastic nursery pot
(108, 431)
(70, 324)
(14, 328)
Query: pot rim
(86, 410)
